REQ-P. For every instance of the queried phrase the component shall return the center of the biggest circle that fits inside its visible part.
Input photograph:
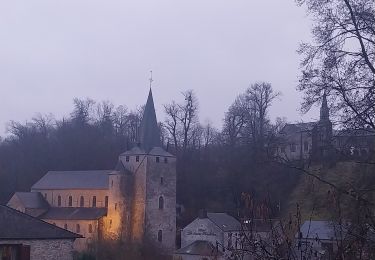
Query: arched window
(161, 202)
(160, 235)
(65, 226)
(161, 180)
(106, 201)
(90, 228)
(78, 228)
(81, 202)
(94, 201)
(59, 201)
(70, 201)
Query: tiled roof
(298, 127)
(74, 213)
(32, 200)
(199, 247)
(17, 225)
(149, 133)
(224, 221)
(73, 180)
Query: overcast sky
(54, 51)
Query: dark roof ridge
(21, 214)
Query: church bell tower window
(137, 158)
(161, 202)
(160, 235)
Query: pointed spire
(324, 110)
(149, 135)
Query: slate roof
(298, 127)
(323, 230)
(224, 221)
(74, 213)
(199, 247)
(62, 180)
(149, 134)
(32, 200)
(17, 225)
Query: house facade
(210, 236)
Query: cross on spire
(150, 79)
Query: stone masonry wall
(57, 249)
(161, 182)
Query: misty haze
(188, 130)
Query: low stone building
(217, 233)
(24, 237)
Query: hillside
(319, 200)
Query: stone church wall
(52, 197)
(161, 182)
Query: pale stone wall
(297, 141)
(52, 197)
(161, 182)
(80, 244)
(47, 249)
(201, 229)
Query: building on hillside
(210, 235)
(134, 203)
(23, 237)
(318, 141)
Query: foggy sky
(54, 51)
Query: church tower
(322, 134)
(145, 189)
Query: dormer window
(157, 159)
(137, 158)
(127, 158)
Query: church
(319, 141)
(134, 203)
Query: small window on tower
(106, 201)
(157, 159)
(137, 158)
(127, 158)
(59, 201)
(161, 180)
(160, 235)
(161, 202)
(165, 159)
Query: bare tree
(340, 61)
(187, 116)
(171, 122)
